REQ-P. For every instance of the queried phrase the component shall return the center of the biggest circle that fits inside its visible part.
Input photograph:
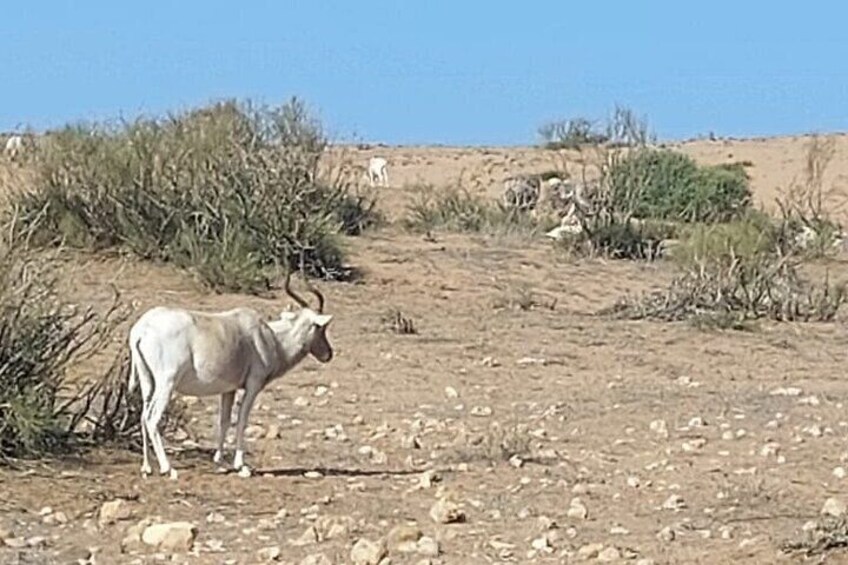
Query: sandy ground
(562, 437)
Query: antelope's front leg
(247, 400)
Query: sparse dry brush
(230, 192)
(728, 295)
(749, 268)
(455, 209)
(806, 204)
(42, 336)
(623, 128)
(830, 534)
(732, 274)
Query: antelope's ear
(322, 320)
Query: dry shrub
(521, 297)
(623, 128)
(41, 337)
(499, 442)
(808, 221)
(231, 192)
(830, 534)
(728, 294)
(455, 209)
(397, 322)
(108, 415)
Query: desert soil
(560, 436)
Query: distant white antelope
(377, 171)
(14, 146)
(203, 354)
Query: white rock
(273, 431)
(524, 361)
(589, 551)
(770, 449)
(609, 555)
(839, 472)
(316, 559)
(577, 509)
(814, 430)
(308, 537)
(541, 544)
(428, 547)
(215, 545)
(809, 526)
(666, 534)
(786, 391)
(171, 536)
(446, 512)
(366, 552)
(15, 542)
(114, 511)
(659, 427)
(674, 502)
(833, 507)
(215, 518)
(693, 445)
(271, 553)
(451, 392)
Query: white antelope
(14, 145)
(203, 354)
(377, 171)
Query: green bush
(745, 239)
(664, 184)
(230, 192)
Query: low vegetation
(734, 273)
(829, 535)
(231, 192)
(42, 337)
(623, 128)
(455, 209)
(728, 295)
(662, 184)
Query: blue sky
(451, 72)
